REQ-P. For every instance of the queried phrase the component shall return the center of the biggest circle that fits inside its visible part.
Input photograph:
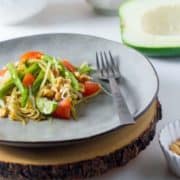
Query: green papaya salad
(39, 86)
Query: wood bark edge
(83, 169)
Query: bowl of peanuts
(169, 139)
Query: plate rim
(77, 140)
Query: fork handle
(122, 109)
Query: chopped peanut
(57, 96)
(67, 81)
(48, 86)
(55, 89)
(77, 74)
(67, 86)
(175, 147)
(84, 78)
(3, 112)
(48, 93)
(59, 80)
(56, 72)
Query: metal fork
(108, 69)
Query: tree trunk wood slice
(75, 161)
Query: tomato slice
(31, 55)
(69, 66)
(63, 109)
(3, 71)
(91, 88)
(28, 80)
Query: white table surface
(77, 17)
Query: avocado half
(151, 26)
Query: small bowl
(105, 7)
(168, 135)
(15, 11)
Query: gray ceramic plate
(139, 86)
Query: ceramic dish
(139, 87)
(16, 11)
(106, 7)
(168, 135)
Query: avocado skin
(157, 52)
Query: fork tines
(105, 61)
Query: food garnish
(39, 86)
(175, 147)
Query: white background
(76, 16)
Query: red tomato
(3, 71)
(28, 80)
(31, 55)
(69, 66)
(91, 88)
(63, 110)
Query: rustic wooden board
(87, 159)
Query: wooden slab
(87, 159)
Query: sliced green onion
(74, 81)
(85, 69)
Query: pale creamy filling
(163, 20)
